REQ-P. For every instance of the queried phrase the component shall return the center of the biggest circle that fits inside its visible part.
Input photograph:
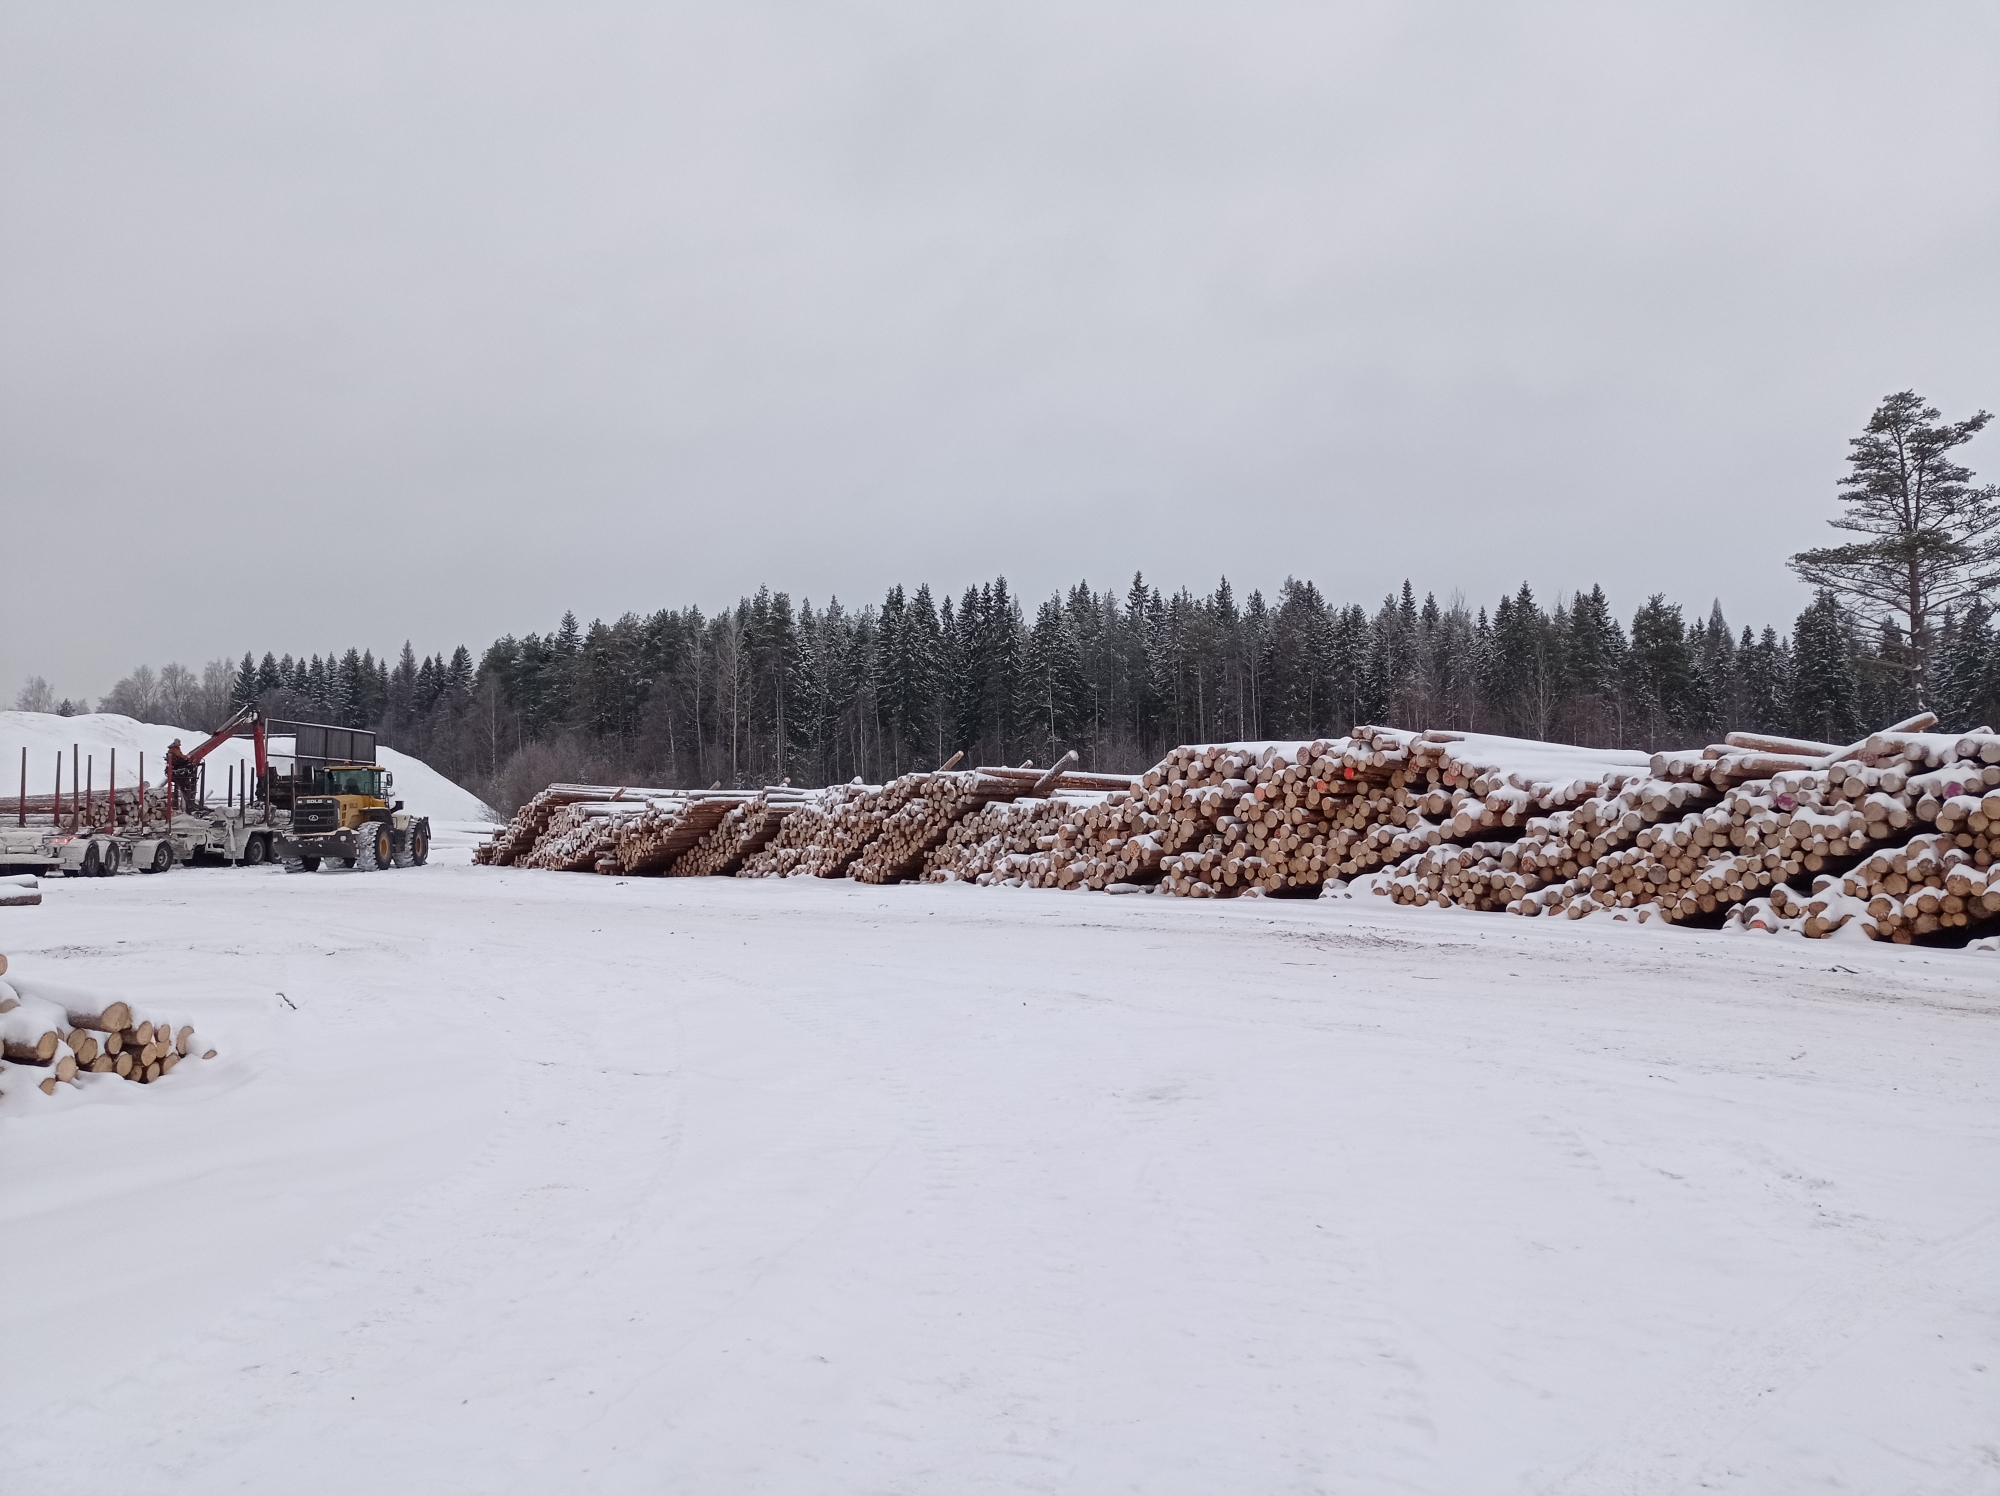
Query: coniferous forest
(768, 690)
(774, 690)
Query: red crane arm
(245, 718)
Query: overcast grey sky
(324, 325)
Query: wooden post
(55, 801)
(22, 813)
(142, 789)
(90, 790)
(201, 791)
(75, 781)
(114, 792)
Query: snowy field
(536, 1182)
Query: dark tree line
(766, 691)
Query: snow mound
(95, 734)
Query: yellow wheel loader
(346, 816)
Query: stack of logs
(1184, 806)
(996, 844)
(745, 831)
(530, 823)
(885, 833)
(921, 817)
(66, 1042)
(622, 830)
(1734, 832)
(1709, 842)
(666, 831)
(819, 840)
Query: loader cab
(344, 796)
(363, 781)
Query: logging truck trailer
(54, 852)
(231, 836)
(238, 836)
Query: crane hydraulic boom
(249, 717)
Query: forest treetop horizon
(1931, 545)
(766, 690)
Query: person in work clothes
(180, 775)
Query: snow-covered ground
(94, 736)
(536, 1182)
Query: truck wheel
(107, 865)
(89, 869)
(420, 846)
(255, 851)
(371, 849)
(163, 858)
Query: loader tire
(416, 848)
(372, 849)
(299, 864)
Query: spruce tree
(1665, 692)
(1593, 662)
(244, 692)
(1051, 684)
(1715, 666)
(1966, 696)
(1256, 665)
(1001, 666)
(1524, 665)
(1824, 689)
(1336, 690)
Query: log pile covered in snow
(746, 830)
(998, 843)
(607, 829)
(922, 814)
(1892, 836)
(60, 1043)
(820, 839)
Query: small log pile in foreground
(66, 1043)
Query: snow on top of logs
(1527, 764)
